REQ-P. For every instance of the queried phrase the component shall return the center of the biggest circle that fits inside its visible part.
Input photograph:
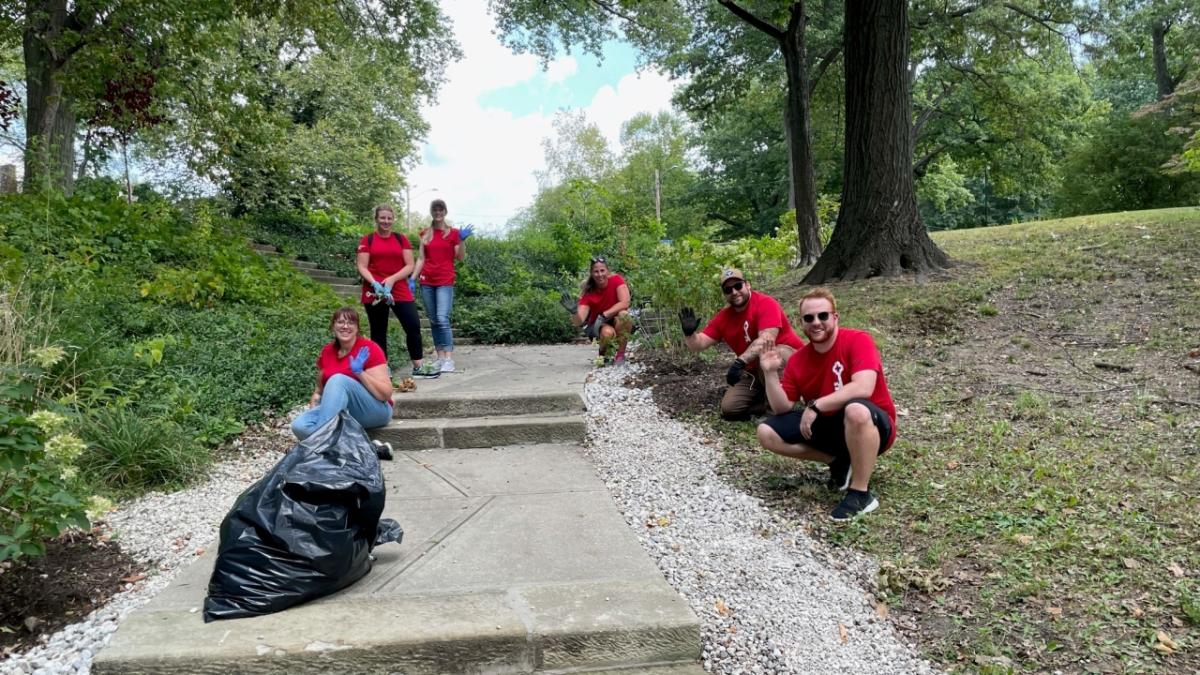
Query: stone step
(264, 248)
(347, 290)
(481, 432)
(485, 404)
(326, 277)
(304, 264)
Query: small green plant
(1029, 405)
(131, 453)
(36, 467)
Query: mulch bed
(38, 596)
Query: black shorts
(829, 431)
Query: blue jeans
(438, 301)
(343, 393)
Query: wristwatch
(812, 405)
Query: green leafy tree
(1118, 167)
(661, 29)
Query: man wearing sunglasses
(848, 419)
(750, 323)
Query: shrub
(131, 452)
(36, 501)
(531, 316)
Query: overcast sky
(486, 131)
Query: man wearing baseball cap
(751, 323)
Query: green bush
(131, 452)
(36, 500)
(528, 317)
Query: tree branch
(826, 60)
(727, 221)
(922, 165)
(745, 15)
(1045, 22)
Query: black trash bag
(304, 530)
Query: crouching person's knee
(767, 437)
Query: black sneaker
(854, 504)
(839, 474)
(382, 449)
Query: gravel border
(770, 598)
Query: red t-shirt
(328, 363)
(811, 375)
(438, 269)
(602, 299)
(739, 329)
(386, 258)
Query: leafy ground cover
(1039, 509)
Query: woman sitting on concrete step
(352, 375)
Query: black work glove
(568, 303)
(688, 321)
(735, 372)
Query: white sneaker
(447, 365)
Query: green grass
(1038, 509)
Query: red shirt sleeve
(768, 314)
(789, 379)
(363, 247)
(375, 355)
(715, 328)
(863, 355)
(404, 242)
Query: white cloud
(486, 158)
(562, 68)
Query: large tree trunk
(879, 231)
(1162, 76)
(50, 120)
(799, 136)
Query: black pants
(377, 316)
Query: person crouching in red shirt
(848, 419)
(751, 323)
(603, 310)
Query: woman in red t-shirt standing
(352, 375)
(604, 309)
(385, 260)
(441, 247)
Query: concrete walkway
(514, 558)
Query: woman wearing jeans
(352, 375)
(441, 247)
(385, 260)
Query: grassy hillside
(1039, 510)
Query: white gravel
(770, 598)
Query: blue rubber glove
(377, 287)
(359, 360)
(412, 284)
(387, 294)
(465, 232)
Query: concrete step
(481, 432)
(485, 404)
(304, 264)
(319, 274)
(347, 290)
(514, 560)
(264, 248)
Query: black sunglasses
(819, 316)
(735, 286)
(599, 260)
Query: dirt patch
(38, 596)
(683, 385)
